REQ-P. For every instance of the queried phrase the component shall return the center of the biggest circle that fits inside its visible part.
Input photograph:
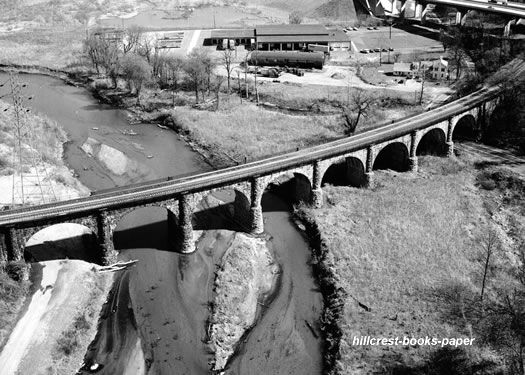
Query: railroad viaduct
(350, 161)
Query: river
(153, 152)
(157, 311)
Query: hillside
(335, 10)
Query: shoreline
(333, 294)
(209, 154)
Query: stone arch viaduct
(352, 160)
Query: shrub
(17, 270)
(69, 341)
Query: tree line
(131, 55)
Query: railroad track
(228, 176)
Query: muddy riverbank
(161, 309)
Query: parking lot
(382, 38)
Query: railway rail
(175, 187)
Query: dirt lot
(400, 40)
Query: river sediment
(162, 305)
(243, 287)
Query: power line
(31, 182)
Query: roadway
(507, 10)
(229, 176)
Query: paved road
(484, 6)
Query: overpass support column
(449, 143)
(419, 10)
(412, 160)
(186, 206)
(317, 191)
(105, 237)
(369, 172)
(459, 16)
(257, 189)
(506, 29)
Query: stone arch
(465, 128)
(222, 208)
(152, 226)
(62, 241)
(500, 121)
(349, 171)
(433, 142)
(392, 156)
(294, 185)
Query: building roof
(301, 29)
(312, 56)
(328, 36)
(232, 33)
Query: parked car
(384, 50)
(364, 51)
(375, 28)
(377, 49)
(369, 28)
(355, 28)
(390, 49)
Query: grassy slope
(398, 248)
(48, 137)
(13, 292)
(253, 132)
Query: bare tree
(239, 84)
(195, 70)
(111, 61)
(360, 103)
(209, 64)
(147, 48)
(295, 17)
(489, 245)
(93, 48)
(227, 61)
(169, 71)
(175, 65)
(136, 71)
(458, 55)
(218, 81)
(131, 38)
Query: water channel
(156, 313)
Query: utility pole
(31, 183)
(246, 76)
(239, 84)
(422, 69)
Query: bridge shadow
(219, 217)
(280, 196)
(63, 241)
(156, 228)
(83, 247)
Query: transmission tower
(31, 182)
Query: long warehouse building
(282, 37)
